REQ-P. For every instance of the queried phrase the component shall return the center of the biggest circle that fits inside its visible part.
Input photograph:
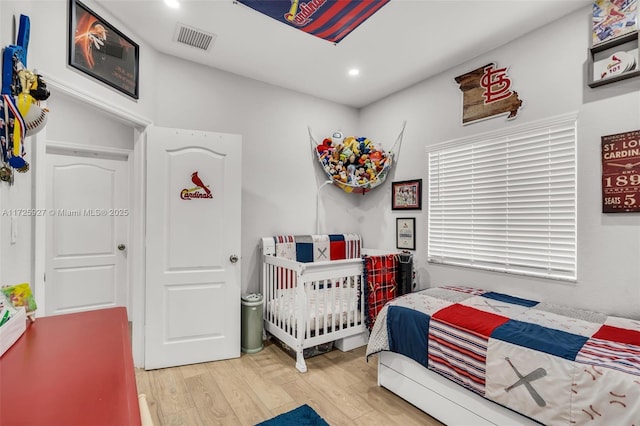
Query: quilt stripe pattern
(554, 364)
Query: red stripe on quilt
(459, 349)
(605, 353)
(470, 319)
(462, 372)
(616, 334)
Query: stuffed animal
(324, 146)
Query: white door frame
(137, 168)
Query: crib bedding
(554, 364)
(318, 248)
(340, 304)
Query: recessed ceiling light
(172, 3)
(354, 71)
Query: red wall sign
(621, 172)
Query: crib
(313, 290)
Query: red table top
(73, 369)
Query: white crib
(308, 304)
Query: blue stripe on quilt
(510, 299)
(408, 330)
(554, 342)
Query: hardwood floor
(340, 386)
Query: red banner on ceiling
(331, 20)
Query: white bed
(469, 356)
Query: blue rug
(301, 416)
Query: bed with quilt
(470, 357)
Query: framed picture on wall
(99, 50)
(621, 172)
(406, 233)
(406, 195)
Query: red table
(73, 369)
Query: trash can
(251, 323)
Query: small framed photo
(101, 51)
(406, 233)
(406, 195)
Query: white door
(192, 247)
(87, 219)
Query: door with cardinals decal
(192, 309)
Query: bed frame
(439, 397)
(331, 283)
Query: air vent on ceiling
(193, 37)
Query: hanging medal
(6, 174)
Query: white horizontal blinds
(506, 203)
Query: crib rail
(306, 304)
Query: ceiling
(405, 42)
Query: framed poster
(406, 233)
(621, 172)
(406, 195)
(98, 49)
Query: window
(506, 202)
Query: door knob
(121, 247)
(233, 258)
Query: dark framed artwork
(621, 172)
(406, 195)
(406, 233)
(98, 49)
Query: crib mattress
(340, 304)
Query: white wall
(72, 121)
(280, 177)
(47, 54)
(548, 70)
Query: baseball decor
(35, 117)
(486, 93)
(621, 172)
(20, 112)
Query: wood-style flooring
(340, 386)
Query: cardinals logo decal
(199, 191)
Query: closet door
(192, 247)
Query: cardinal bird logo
(196, 192)
(196, 179)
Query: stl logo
(199, 191)
(486, 93)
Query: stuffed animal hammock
(356, 165)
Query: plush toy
(324, 146)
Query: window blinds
(506, 202)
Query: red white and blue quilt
(552, 363)
(331, 20)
